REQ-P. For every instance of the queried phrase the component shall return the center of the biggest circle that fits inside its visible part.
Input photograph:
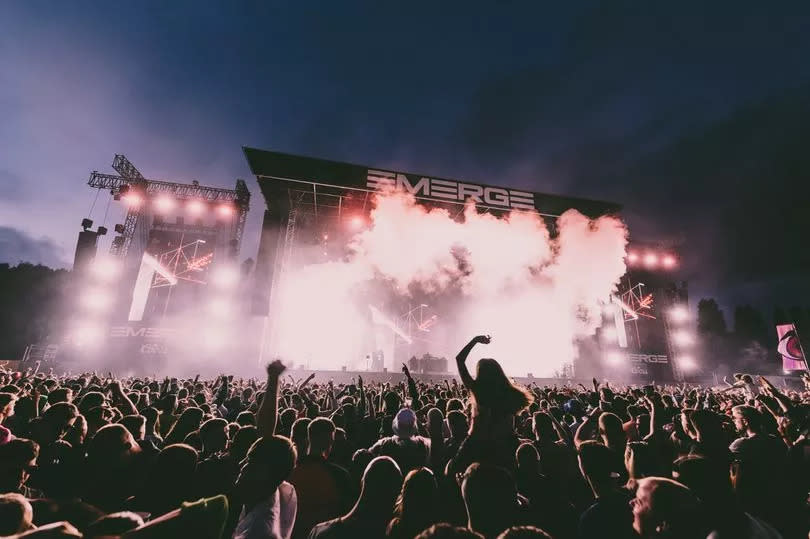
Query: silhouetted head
(493, 390)
(321, 433)
(490, 496)
(641, 460)
(457, 422)
(269, 461)
(665, 508)
(524, 532)
(16, 514)
(528, 459)
(381, 484)
(136, 425)
(214, 435)
(242, 441)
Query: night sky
(695, 116)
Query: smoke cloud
(506, 276)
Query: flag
(790, 348)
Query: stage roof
(322, 176)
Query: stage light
(610, 334)
(682, 338)
(614, 358)
(87, 223)
(668, 261)
(650, 260)
(96, 300)
(225, 277)
(686, 363)
(132, 199)
(195, 207)
(679, 313)
(225, 210)
(106, 269)
(632, 257)
(164, 203)
(357, 222)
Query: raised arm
(584, 431)
(413, 392)
(122, 400)
(266, 417)
(461, 359)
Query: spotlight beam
(378, 318)
(152, 262)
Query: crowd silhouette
(88, 455)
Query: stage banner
(789, 347)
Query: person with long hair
(371, 513)
(495, 403)
(416, 508)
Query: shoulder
(286, 493)
(325, 529)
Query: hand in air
(483, 339)
(275, 369)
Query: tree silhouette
(711, 320)
(31, 299)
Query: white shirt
(271, 519)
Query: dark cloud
(16, 246)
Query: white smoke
(535, 295)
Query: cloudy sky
(693, 115)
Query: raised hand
(275, 369)
(482, 339)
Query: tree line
(750, 342)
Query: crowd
(98, 456)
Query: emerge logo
(141, 332)
(381, 180)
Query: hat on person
(404, 424)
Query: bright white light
(679, 313)
(687, 363)
(682, 338)
(632, 257)
(164, 203)
(195, 207)
(610, 334)
(132, 199)
(650, 260)
(96, 300)
(106, 269)
(614, 358)
(225, 210)
(225, 277)
(357, 222)
(220, 307)
(669, 261)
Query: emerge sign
(381, 180)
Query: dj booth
(427, 364)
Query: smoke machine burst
(537, 295)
